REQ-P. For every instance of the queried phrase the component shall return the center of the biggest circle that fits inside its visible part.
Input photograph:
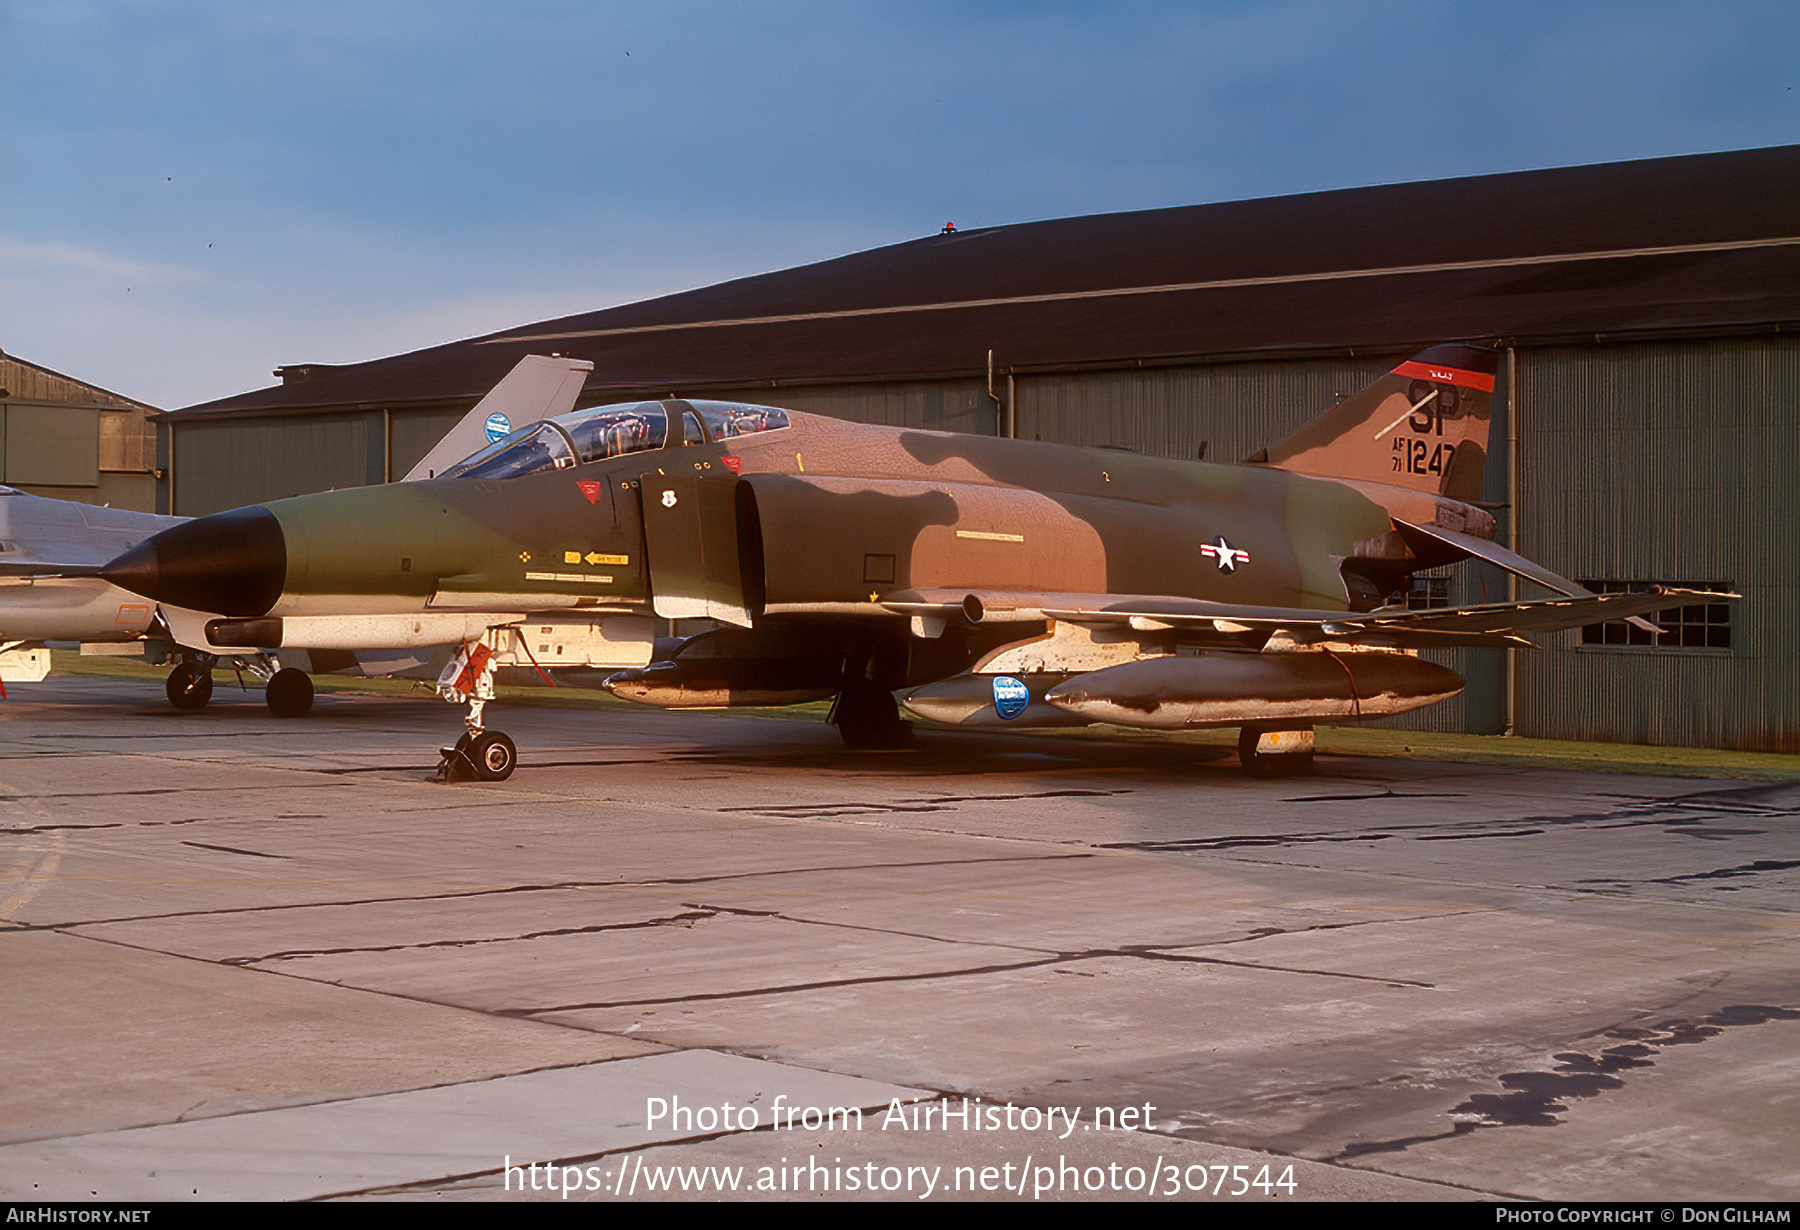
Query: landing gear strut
(1275, 753)
(481, 754)
(867, 717)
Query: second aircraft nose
(230, 563)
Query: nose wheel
(486, 757)
(481, 754)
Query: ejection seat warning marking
(590, 489)
(578, 578)
(990, 536)
(595, 557)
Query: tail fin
(538, 387)
(1423, 426)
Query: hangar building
(1647, 418)
(63, 438)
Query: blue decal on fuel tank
(1010, 697)
(498, 427)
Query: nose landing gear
(481, 754)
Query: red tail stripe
(1446, 375)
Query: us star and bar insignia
(1229, 557)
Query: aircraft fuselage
(821, 516)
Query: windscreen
(569, 439)
(534, 447)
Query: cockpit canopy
(596, 434)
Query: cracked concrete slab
(1403, 979)
(383, 1141)
(102, 1036)
(893, 1165)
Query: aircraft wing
(40, 536)
(1498, 624)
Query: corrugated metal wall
(1234, 408)
(88, 454)
(936, 406)
(1666, 461)
(411, 434)
(49, 446)
(220, 465)
(230, 463)
(62, 438)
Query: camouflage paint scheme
(952, 510)
(857, 559)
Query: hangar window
(1423, 593)
(1701, 625)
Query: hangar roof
(22, 380)
(1699, 243)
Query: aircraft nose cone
(231, 563)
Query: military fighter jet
(51, 551)
(992, 582)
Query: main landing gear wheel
(289, 693)
(489, 757)
(1275, 753)
(190, 686)
(867, 717)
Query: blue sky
(198, 190)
